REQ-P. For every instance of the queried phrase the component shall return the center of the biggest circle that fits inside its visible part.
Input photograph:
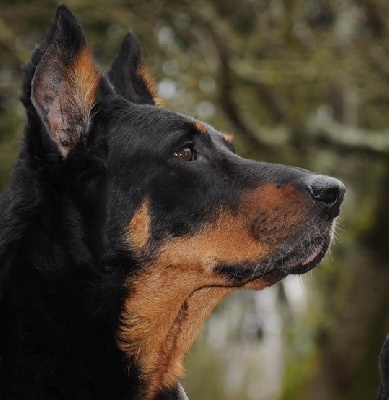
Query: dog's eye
(186, 154)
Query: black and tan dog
(124, 225)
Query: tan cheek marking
(230, 239)
(226, 240)
(200, 127)
(281, 213)
(137, 232)
(269, 196)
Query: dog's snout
(327, 191)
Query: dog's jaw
(162, 318)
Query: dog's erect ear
(65, 81)
(130, 77)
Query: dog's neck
(162, 318)
(163, 313)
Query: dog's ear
(129, 75)
(64, 82)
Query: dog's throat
(159, 325)
(165, 308)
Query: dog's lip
(309, 260)
(308, 257)
(313, 256)
(298, 258)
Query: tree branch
(350, 140)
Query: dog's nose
(327, 191)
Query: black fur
(123, 73)
(64, 260)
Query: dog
(124, 224)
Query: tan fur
(164, 314)
(85, 78)
(200, 127)
(138, 230)
(145, 76)
(228, 138)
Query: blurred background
(301, 82)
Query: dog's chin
(295, 266)
(308, 261)
(302, 256)
(295, 260)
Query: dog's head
(177, 216)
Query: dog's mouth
(303, 257)
(298, 258)
(305, 254)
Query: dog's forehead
(149, 125)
